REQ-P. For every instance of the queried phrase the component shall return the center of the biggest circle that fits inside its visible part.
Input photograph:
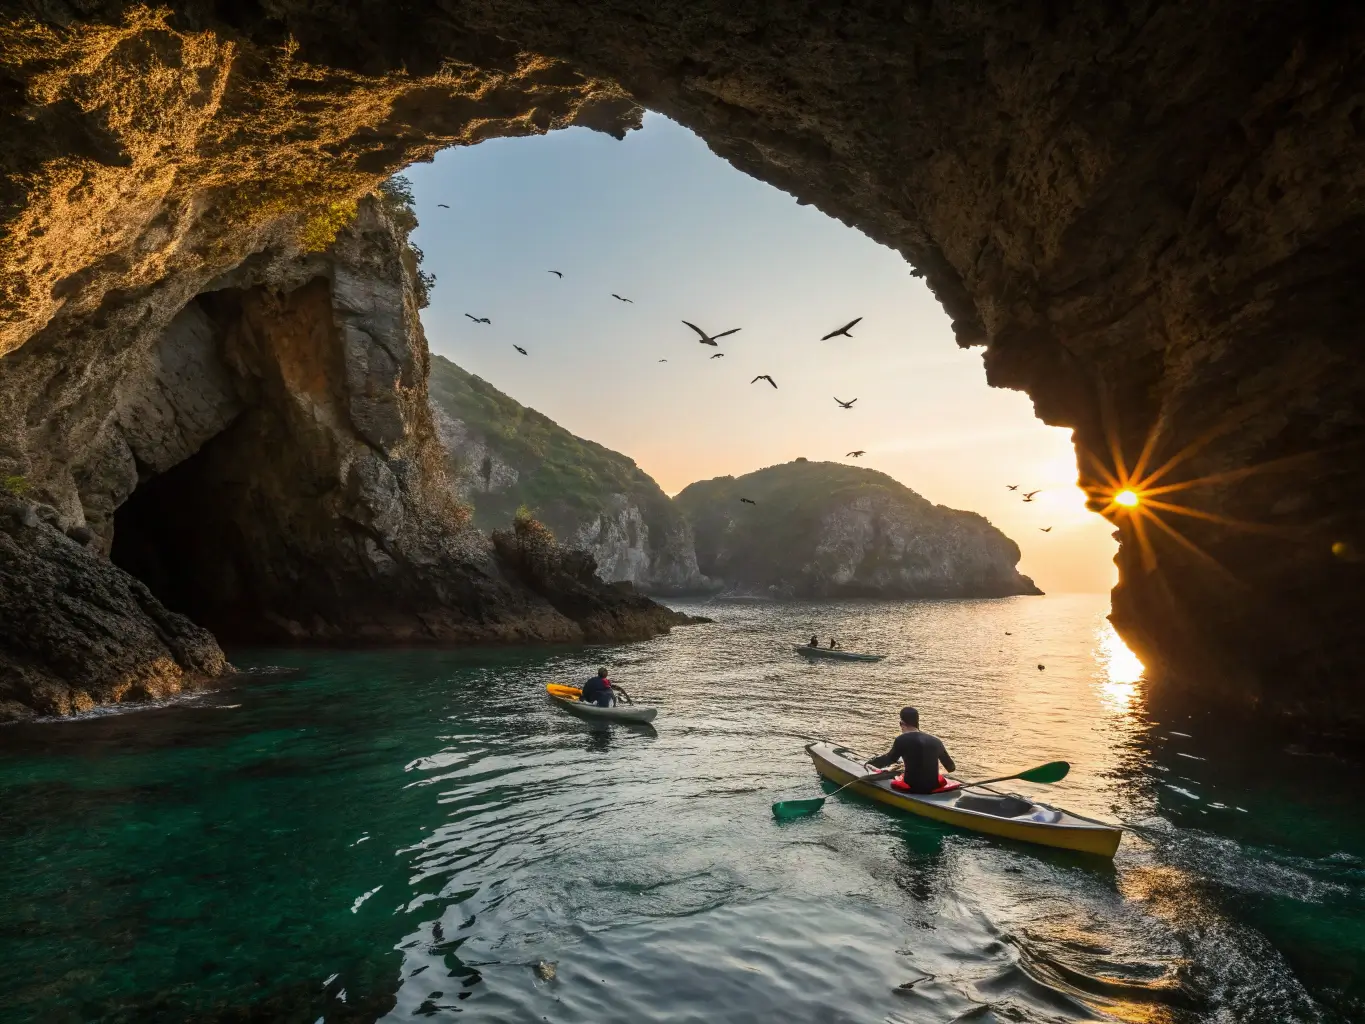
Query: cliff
(260, 461)
(822, 529)
(1149, 215)
(503, 456)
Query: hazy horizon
(660, 220)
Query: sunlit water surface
(420, 835)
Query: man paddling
(597, 690)
(921, 755)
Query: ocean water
(402, 836)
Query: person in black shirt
(597, 690)
(814, 642)
(919, 752)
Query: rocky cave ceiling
(1151, 215)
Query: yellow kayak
(1039, 823)
(566, 697)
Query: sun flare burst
(1145, 498)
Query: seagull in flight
(1045, 529)
(557, 273)
(748, 501)
(615, 296)
(1011, 487)
(479, 319)
(855, 455)
(846, 405)
(709, 339)
(764, 376)
(1030, 494)
(842, 331)
(719, 355)
(521, 350)
(663, 360)
(443, 206)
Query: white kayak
(567, 698)
(837, 655)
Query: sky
(661, 220)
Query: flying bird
(479, 319)
(709, 339)
(855, 455)
(557, 273)
(842, 330)
(1011, 487)
(663, 360)
(443, 206)
(521, 350)
(764, 376)
(615, 296)
(846, 405)
(1030, 494)
(1045, 529)
(719, 355)
(748, 501)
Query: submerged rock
(822, 529)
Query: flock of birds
(713, 340)
(1028, 496)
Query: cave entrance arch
(1140, 211)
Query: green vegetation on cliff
(827, 529)
(560, 477)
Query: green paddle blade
(1053, 771)
(786, 810)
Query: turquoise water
(420, 835)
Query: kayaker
(814, 642)
(832, 645)
(921, 755)
(597, 690)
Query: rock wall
(76, 632)
(1150, 214)
(822, 530)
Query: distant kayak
(836, 654)
(567, 698)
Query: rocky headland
(259, 465)
(822, 529)
(503, 456)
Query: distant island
(823, 529)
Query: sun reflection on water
(1122, 669)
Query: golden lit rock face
(1152, 216)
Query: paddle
(1053, 771)
(785, 810)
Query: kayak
(1030, 822)
(837, 655)
(567, 698)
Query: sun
(1126, 498)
